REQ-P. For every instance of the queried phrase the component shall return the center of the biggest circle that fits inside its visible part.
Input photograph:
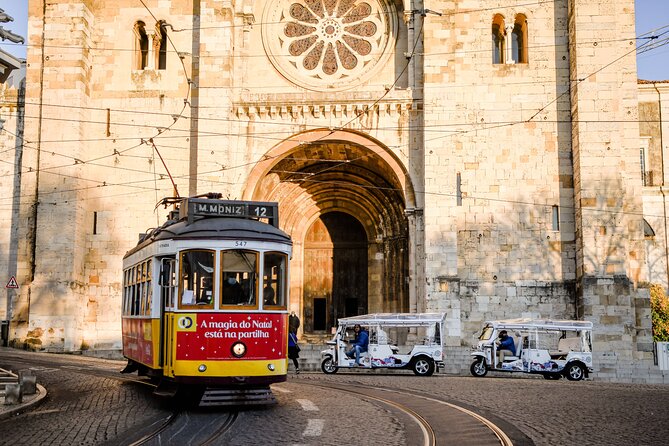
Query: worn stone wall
(653, 125)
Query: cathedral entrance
(347, 204)
(335, 271)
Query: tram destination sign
(201, 207)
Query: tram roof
(399, 319)
(216, 228)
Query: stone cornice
(295, 110)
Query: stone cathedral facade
(478, 158)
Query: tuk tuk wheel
(478, 368)
(423, 366)
(574, 372)
(328, 366)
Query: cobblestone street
(87, 409)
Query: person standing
(293, 322)
(294, 351)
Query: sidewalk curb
(11, 410)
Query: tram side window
(197, 279)
(239, 278)
(274, 280)
(137, 290)
(148, 290)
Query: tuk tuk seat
(566, 345)
(518, 342)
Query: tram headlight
(202, 368)
(238, 349)
(270, 367)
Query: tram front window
(239, 278)
(274, 280)
(197, 279)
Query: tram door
(168, 284)
(335, 271)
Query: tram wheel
(423, 366)
(478, 368)
(328, 366)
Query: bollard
(13, 393)
(28, 382)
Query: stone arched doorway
(335, 271)
(352, 190)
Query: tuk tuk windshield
(486, 333)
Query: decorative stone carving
(329, 45)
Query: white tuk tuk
(386, 331)
(550, 348)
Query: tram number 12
(260, 211)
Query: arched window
(160, 45)
(141, 46)
(498, 44)
(519, 39)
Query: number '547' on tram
(205, 301)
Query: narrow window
(458, 189)
(161, 45)
(498, 39)
(642, 161)
(95, 223)
(519, 39)
(556, 218)
(141, 46)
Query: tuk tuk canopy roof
(541, 324)
(395, 319)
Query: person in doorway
(505, 345)
(360, 344)
(294, 351)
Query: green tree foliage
(659, 306)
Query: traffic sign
(12, 283)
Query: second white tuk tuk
(548, 347)
(396, 341)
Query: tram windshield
(239, 278)
(197, 278)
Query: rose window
(328, 44)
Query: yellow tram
(205, 300)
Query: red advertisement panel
(210, 336)
(137, 340)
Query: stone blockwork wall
(498, 176)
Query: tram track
(463, 426)
(188, 428)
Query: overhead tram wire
(642, 36)
(484, 128)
